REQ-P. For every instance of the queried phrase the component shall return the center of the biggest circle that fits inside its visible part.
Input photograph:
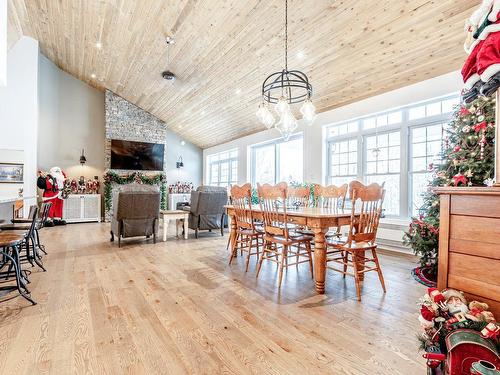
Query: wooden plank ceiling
(224, 49)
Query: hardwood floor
(178, 308)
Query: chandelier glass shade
(282, 89)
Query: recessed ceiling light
(183, 143)
(203, 113)
(238, 91)
(301, 55)
(98, 45)
(93, 76)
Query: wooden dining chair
(17, 209)
(279, 241)
(248, 239)
(350, 252)
(298, 196)
(330, 197)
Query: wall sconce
(179, 163)
(83, 159)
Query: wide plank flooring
(177, 307)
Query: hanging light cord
(286, 35)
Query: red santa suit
(483, 46)
(54, 185)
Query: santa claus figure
(481, 71)
(456, 304)
(53, 186)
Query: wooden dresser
(469, 243)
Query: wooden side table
(174, 215)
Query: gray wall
(71, 118)
(192, 156)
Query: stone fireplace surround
(128, 122)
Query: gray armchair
(136, 209)
(207, 211)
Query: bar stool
(43, 214)
(10, 243)
(30, 243)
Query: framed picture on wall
(11, 173)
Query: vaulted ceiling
(224, 49)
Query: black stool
(10, 243)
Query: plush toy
(481, 70)
(52, 185)
(478, 312)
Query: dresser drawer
(475, 205)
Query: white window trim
(275, 143)
(405, 194)
(219, 162)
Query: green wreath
(111, 178)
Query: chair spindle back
(241, 200)
(365, 214)
(33, 217)
(273, 206)
(298, 196)
(330, 196)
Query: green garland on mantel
(111, 178)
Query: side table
(174, 215)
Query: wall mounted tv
(140, 156)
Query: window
(277, 161)
(426, 145)
(223, 168)
(395, 147)
(383, 162)
(343, 161)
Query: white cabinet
(174, 198)
(79, 208)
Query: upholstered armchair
(207, 211)
(136, 208)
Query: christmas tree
(467, 160)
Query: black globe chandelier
(282, 89)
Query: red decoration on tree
(481, 126)
(459, 179)
(463, 111)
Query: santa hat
(435, 295)
(448, 293)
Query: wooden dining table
(318, 219)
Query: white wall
(192, 157)
(3, 42)
(391, 230)
(71, 119)
(19, 112)
(314, 144)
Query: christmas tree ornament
(467, 160)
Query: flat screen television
(139, 156)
